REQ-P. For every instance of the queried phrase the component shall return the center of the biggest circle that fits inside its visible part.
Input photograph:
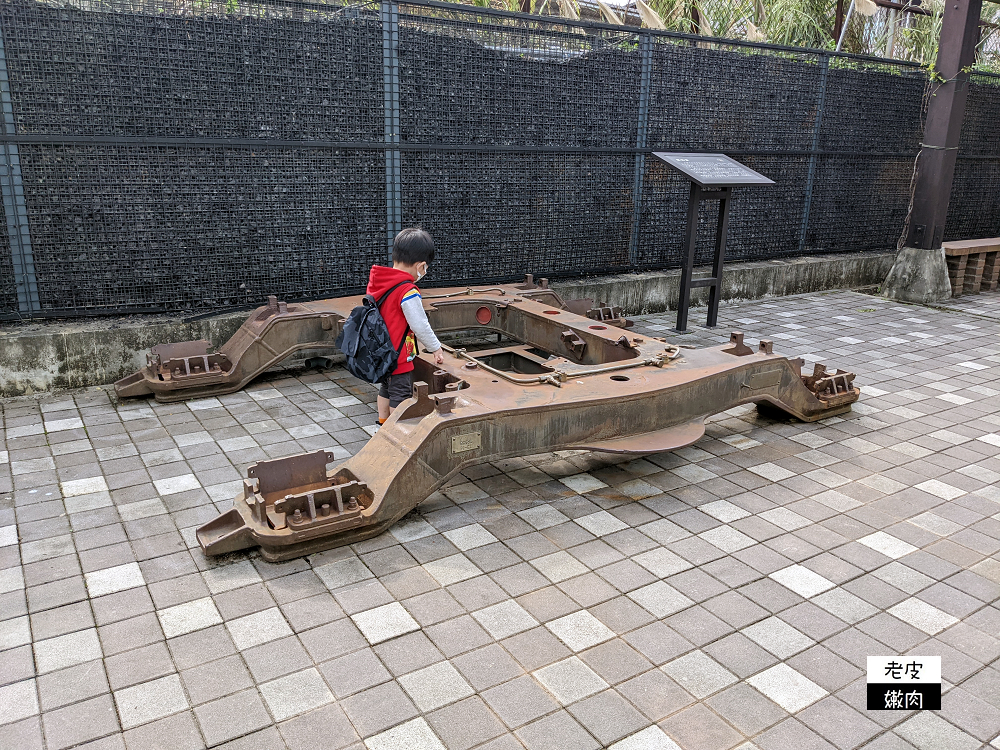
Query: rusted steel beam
(177, 372)
(572, 382)
(656, 404)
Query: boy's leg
(400, 388)
(383, 400)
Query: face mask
(421, 275)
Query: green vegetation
(807, 23)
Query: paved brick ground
(980, 305)
(726, 595)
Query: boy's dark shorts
(396, 388)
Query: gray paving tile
(26, 733)
(926, 730)
(327, 726)
(61, 620)
(746, 709)
(179, 731)
(699, 674)
(311, 611)
(126, 635)
(786, 687)
(354, 672)
(295, 693)
(80, 722)
(487, 666)
(970, 713)
(615, 661)
(17, 664)
(230, 717)
(698, 727)
(414, 733)
(518, 701)
(276, 659)
(608, 716)
(243, 601)
(374, 710)
(536, 648)
(200, 647)
(458, 635)
(839, 723)
(556, 731)
(151, 700)
(622, 614)
(215, 679)
(332, 640)
(435, 686)
(465, 724)
(658, 642)
(740, 655)
(791, 733)
(139, 665)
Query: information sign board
(713, 170)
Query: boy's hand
(439, 357)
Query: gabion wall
(208, 157)
(974, 209)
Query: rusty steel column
(920, 273)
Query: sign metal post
(713, 177)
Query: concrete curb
(653, 292)
(74, 354)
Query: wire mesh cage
(974, 210)
(207, 153)
(8, 285)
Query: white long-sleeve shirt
(413, 310)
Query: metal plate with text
(763, 380)
(470, 441)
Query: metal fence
(974, 210)
(206, 155)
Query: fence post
(14, 208)
(824, 70)
(390, 86)
(920, 271)
(646, 51)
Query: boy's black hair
(413, 245)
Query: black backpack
(365, 340)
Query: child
(412, 252)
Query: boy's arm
(413, 311)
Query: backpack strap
(406, 330)
(385, 296)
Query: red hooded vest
(380, 280)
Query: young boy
(412, 253)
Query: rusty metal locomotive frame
(574, 378)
